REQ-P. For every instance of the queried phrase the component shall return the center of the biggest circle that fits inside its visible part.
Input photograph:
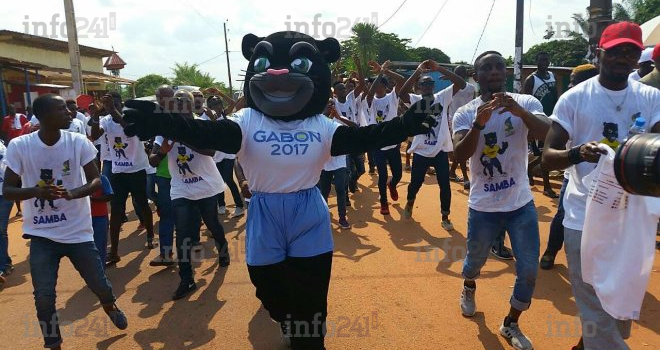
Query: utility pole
(600, 16)
(231, 89)
(517, 62)
(74, 50)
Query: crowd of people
(66, 179)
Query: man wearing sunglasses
(432, 149)
(605, 104)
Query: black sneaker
(184, 289)
(502, 252)
(118, 318)
(547, 261)
(3, 276)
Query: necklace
(619, 107)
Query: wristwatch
(477, 126)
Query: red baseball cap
(656, 52)
(621, 33)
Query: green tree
(190, 74)
(563, 53)
(428, 53)
(638, 11)
(363, 43)
(146, 85)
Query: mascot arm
(145, 121)
(347, 140)
(415, 121)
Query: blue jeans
(5, 210)
(556, 238)
(107, 168)
(523, 227)
(419, 167)
(166, 224)
(45, 256)
(393, 158)
(100, 226)
(186, 217)
(325, 183)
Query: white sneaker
(516, 336)
(468, 305)
(222, 210)
(238, 212)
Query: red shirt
(100, 208)
(9, 129)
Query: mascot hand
(144, 119)
(418, 118)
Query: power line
(483, 30)
(395, 12)
(430, 24)
(529, 15)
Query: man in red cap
(653, 78)
(601, 108)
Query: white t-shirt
(382, 110)
(635, 76)
(3, 164)
(127, 153)
(194, 175)
(218, 156)
(348, 109)
(588, 114)
(78, 127)
(438, 139)
(461, 99)
(283, 156)
(61, 220)
(363, 110)
(498, 171)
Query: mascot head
(288, 76)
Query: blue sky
(151, 36)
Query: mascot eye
(301, 65)
(261, 64)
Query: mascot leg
(289, 255)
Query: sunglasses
(427, 83)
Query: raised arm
(415, 121)
(458, 82)
(144, 119)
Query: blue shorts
(281, 225)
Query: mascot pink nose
(277, 71)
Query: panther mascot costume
(283, 141)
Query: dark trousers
(370, 159)
(295, 293)
(325, 183)
(186, 217)
(441, 165)
(355, 168)
(393, 158)
(556, 238)
(45, 256)
(122, 185)
(226, 169)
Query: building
(31, 65)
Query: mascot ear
(249, 42)
(329, 49)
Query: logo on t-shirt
(66, 168)
(287, 143)
(46, 179)
(119, 146)
(183, 160)
(508, 127)
(611, 134)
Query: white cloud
(152, 36)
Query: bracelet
(574, 155)
(477, 126)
